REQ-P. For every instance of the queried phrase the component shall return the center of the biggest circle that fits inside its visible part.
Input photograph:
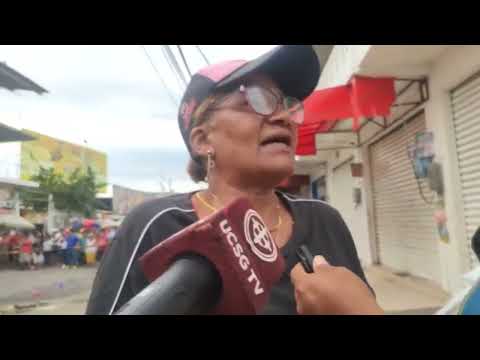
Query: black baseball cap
(294, 68)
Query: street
(47, 291)
(54, 291)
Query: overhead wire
(172, 97)
(184, 60)
(175, 64)
(203, 55)
(176, 75)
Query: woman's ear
(199, 141)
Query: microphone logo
(258, 237)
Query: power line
(176, 75)
(173, 59)
(159, 75)
(167, 59)
(203, 55)
(184, 60)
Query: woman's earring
(210, 163)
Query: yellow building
(64, 157)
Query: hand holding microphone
(331, 290)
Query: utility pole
(17, 202)
(50, 213)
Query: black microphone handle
(191, 285)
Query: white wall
(340, 185)
(344, 61)
(451, 68)
(317, 172)
(10, 153)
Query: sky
(111, 99)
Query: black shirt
(119, 277)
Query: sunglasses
(266, 102)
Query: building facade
(413, 213)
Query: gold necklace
(211, 207)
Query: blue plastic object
(471, 304)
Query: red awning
(361, 97)
(372, 97)
(306, 136)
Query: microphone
(225, 264)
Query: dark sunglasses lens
(295, 108)
(261, 100)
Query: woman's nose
(281, 116)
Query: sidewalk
(405, 295)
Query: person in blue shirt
(71, 251)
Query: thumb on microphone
(298, 272)
(301, 281)
(318, 262)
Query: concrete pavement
(405, 295)
(49, 287)
(72, 305)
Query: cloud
(111, 97)
(150, 169)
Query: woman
(26, 250)
(13, 243)
(239, 121)
(102, 244)
(60, 247)
(47, 248)
(72, 244)
(38, 259)
(82, 246)
(91, 249)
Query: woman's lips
(276, 147)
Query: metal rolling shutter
(466, 119)
(404, 225)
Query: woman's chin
(277, 171)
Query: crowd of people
(70, 247)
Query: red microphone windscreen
(238, 243)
